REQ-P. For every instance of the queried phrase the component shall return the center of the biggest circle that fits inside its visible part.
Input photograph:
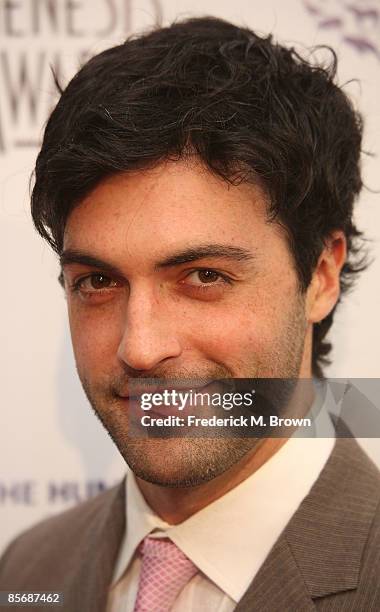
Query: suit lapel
(319, 552)
(278, 585)
(93, 562)
(329, 531)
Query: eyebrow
(204, 251)
(72, 256)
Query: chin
(171, 462)
(181, 463)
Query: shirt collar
(229, 539)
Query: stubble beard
(187, 462)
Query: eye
(95, 282)
(204, 277)
(206, 284)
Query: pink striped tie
(164, 572)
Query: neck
(175, 505)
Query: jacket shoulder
(52, 542)
(366, 594)
(362, 515)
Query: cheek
(95, 337)
(254, 329)
(246, 329)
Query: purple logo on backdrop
(357, 21)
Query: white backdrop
(53, 451)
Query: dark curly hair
(249, 108)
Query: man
(198, 185)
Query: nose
(149, 335)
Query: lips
(167, 405)
(165, 409)
(139, 389)
(135, 410)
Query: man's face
(191, 281)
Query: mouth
(137, 390)
(167, 402)
(172, 399)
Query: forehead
(168, 207)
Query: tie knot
(165, 570)
(162, 549)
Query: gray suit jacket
(327, 558)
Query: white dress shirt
(229, 539)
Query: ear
(324, 289)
